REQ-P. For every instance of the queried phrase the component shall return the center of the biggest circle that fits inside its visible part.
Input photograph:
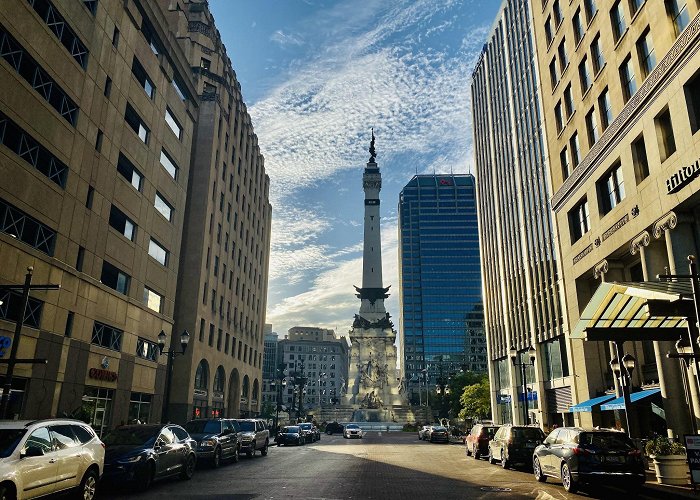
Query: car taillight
(483, 438)
(103, 445)
(580, 451)
(635, 453)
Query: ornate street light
(532, 355)
(171, 353)
(623, 372)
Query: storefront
(97, 408)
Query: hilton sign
(682, 178)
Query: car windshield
(132, 435)
(490, 431)
(527, 433)
(9, 438)
(352, 426)
(290, 430)
(305, 426)
(247, 426)
(439, 429)
(203, 427)
(606, 440)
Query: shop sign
(5, 343)
(692, 449)
(102, 374)
(682, 178)
(503, 399)
(531, 396)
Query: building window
(611, 189)
(692, 100)
(664, 133)
(142, 77)
(605, 106)
(115, 278)
(556, 9)
(168, 164)
(205, 63)
(98, 140)
(569, 102)
(145, 349)
(11, 307)
(579, 220)
(115, 37)
(558, 117)
(591, 9)
(563, 56)
(119, 221)
(107, 336)
(635, 5)
(627, 78)
(553, 72)
(68, 332)
(153, 300)
(26, 228)
(592, 128)
(91, 5)
(617, 18)
(575, 150)
(65, 34)
(579, 29)
(136, 123)
(597, 55)
(678, 10)
(211, 335)
(157, 251)
(584, 75)
(647, 56)
(129, 172)
(140, 408)
(178, 89)
(639, 159)
(565, 167)
(80, 259)
(165, 208)
(549, 33)
(173, 123)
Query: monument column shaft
(372, 254)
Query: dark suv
(217, 439)
(514, 444)
(478, 440)
(577, 455)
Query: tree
(476, 400)
(267, 410)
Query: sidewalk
(677, 491)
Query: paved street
(385, 466)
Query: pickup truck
(253, 435)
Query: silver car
(352, 431)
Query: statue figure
(343, 386)
(372, 151)
(402, 385)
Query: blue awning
(619, 403)
(588, 405)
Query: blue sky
(316, 76)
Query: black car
(577, 456)
(217, 439)
(514, 444)
(477, 442)
(334, 428)
(438, 434)
(144, 453)
(290, 434)
(310, 431)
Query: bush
(662, 446)
(410, 427)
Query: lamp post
(171, 353)
(279, 384)
(321, 376)
(623, 371)
(424, 371)
(523, 370)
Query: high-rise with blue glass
(442, 319)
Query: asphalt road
(380, 466)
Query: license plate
(617, 460)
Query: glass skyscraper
(442, 320)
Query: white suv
(40, 457)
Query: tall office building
(523, 300)
(270, 340)
(620, 94)
(223, 272)
(97, 118)
(442, 322)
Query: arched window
(246, 386)
(201, 377)
(255, 389)
(219, 379)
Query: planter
(671, 469)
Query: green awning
(621, 311)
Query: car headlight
(208, 442)
(130, 460)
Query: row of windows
(65, 34)
(225, 341)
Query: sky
(316, 76)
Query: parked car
(31, 453)
(290, 434)
(577, 456)
(422, 432)
(311, 431)
(254, 435)
(438, 434)
(334, 428)
(217, 439)
(514, 444)
(352, 431)
(145, 453)
(477, 441)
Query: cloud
(286, 39)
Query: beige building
(222, 294)
(97, 117)
(620, 85)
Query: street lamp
(321, 376)
(184, 340)
(280, 385)
(424, 371)
(523, 369)
(623, 372)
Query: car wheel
(216, 459)
(476, 454)
(537, 470)
(504, 460)
(469, 452)
(144, 478)
(491, 460)
(88, 486)
(263, 452)
(235, 457)
(6, 493)
(190, 464)
(569, 484)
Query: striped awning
(620, 311)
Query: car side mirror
(32, 451)
(226, 432)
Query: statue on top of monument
(372, 151)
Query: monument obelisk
(373, 381)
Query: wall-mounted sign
(503, 398)
(5, 343)
(692, 450)
(101, 374)
(531, 396)
(682, 178)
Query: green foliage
(475, 400)
(410, 427)
(267, 410)
(662, 446)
